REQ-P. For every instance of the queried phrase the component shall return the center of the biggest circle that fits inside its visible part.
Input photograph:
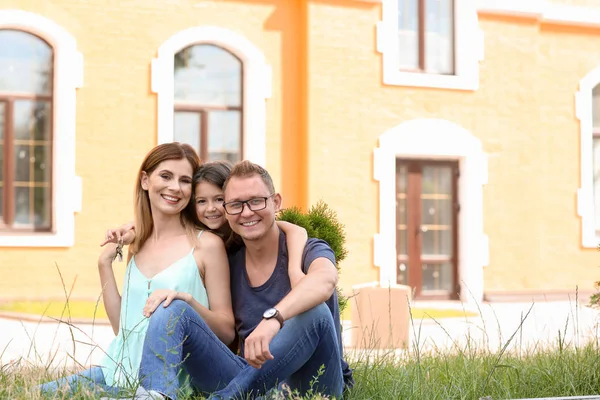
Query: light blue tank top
(122, 360)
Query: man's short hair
(245, 169)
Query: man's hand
(256, 346)
(166, 295)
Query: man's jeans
(178, 337)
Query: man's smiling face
(251, 225)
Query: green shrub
(321, 222)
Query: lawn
(466, 373)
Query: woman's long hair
(142, 211)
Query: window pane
(596, 107)
(22, 162)
(25, 63)
(437, 277)
(401, 212)
(437, 242)
(437, 210)
(187, 128)
(208, 75)
(32, 120)
(224, 129)
(596, 158)
(41, 164)
(22, 204)
(437, 180)
(41, 121)
(23, 118)
(408, 33)
(41, 207)
(439, 46)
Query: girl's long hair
(142, 210)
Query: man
(289, 336)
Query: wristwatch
(273, 313)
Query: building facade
(455, 139)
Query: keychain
(119, 250)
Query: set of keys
(119, 250)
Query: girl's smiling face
(209, 205)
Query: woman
(169, 259)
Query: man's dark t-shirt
(249, 303)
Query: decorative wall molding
(68, 76)
(257, 84)
(440, 140)
(544, 11)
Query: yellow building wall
(523, 112)
(327, 110)
(116, 117)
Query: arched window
(26, 76)
(208, 105)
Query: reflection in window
(26, 68)
(426, 36)
(208, 102)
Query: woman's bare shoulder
(209, 240)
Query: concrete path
(517, 325)
(51, 343)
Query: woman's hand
(125, 232)
(108, 255)
(166, 295)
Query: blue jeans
(178, 338)
(91, 379)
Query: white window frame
(585, 194)
(435, 139)
(257, 84)
(468, 50)
(68, 76)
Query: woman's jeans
(91, 379)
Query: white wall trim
(468, 50)
(68, 76)
(257, 84)
(435, 139)
(544, 11)
(585, 193)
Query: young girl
(170, 259)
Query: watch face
(269, 313)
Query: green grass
(474, 374)
(466, 373)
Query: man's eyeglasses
(254, 204)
